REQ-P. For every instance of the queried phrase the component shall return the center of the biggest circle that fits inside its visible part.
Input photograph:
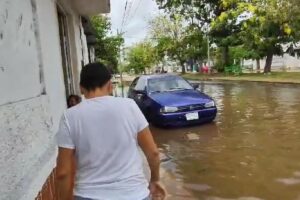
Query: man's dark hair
(94, 75)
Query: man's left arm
(65, 170)
(65, 173)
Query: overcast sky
(136, 22)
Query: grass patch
(276, 77)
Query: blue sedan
(169, 100)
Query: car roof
(155, 76)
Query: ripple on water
(297, 173)
(197, 187)
(289, 181)
(240, 198)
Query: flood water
(250, 152)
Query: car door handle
(139, 96)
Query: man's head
(95, 80)
(73, 100)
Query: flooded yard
(250, 152)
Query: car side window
(141, 85)
(133, 84)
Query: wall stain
(5, 17)
(1, 35)
(39, 48)
(20, 21)
(2, 68)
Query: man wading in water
(101, 136)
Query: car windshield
(166, 84)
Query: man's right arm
(147, 144)
(149, 148)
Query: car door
(139, 93)
(131, 93)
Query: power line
(123, 19)
(135, 11)
(131, 3)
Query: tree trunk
(226, 56)
(269, 62)
(258, 65)
(182, 67)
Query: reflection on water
(251, 152)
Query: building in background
(289, 61)
(43, 46)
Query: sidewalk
(276, 77)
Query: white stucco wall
(285, 62)
(17, 40)
(32, 92)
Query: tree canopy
(263, 26)
(260, 27)
(142, 56)
(107, 46)
(175, 39)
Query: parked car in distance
(117, 75)
(170, 100)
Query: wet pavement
(250, 152)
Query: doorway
(65, 52)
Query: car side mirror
(195, 85)
(140, 94)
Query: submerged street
(212, 109)
(250, 152)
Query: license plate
(192, 116)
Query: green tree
(141, 57)
(196, 12)
(260, 26)
(107, 47)
(168, 32)
(201, 14)
(197, 45)
(268, 24)
(177, 40)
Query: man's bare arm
(147, 144)
(65, 173)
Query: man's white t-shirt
(103, 131)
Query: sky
(136, 22)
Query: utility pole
(208, 52)
(121, 69)
(120, 64)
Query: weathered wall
(18, 52)
(279, 63)
(27, 147)
(32, 92)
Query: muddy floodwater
(250, 152)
